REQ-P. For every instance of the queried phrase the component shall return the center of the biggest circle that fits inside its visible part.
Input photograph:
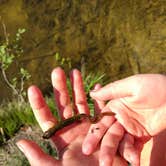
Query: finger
(95, 134)
(110, 143)
(97, 130)
(129, 151)
(91, 141)
(98, 104)
(117, 89)
(35, 155)
(62, 98)
(79, 95)
(40, 108)
(119, 161)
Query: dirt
(9, 153)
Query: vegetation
(12, 117)
(65, 62)
(10, 51)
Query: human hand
(68, 141)
(140, 105)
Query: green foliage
(5, 57)
(47, 148)
(13, 116)
(19, 159)
(10, 51)
(24, 73)
(91, 79)
(65, 62)
(51, 103)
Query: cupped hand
(139, 103)
(68, 140)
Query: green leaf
(25, 73)
(22, 70)
(14, 81)
(21, 30)
(2, 49)
(9, 59)
(9, 51)
(24, 93)
(62, 61)
(57, 56)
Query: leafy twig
(9, 52)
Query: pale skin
(139, 103)
(69, 140)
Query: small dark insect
(93, 119)
(92, 130)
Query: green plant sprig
(10, 50)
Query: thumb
(34, 154)
(117, 89)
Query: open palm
(68, 141)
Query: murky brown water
(117, 37)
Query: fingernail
(87, 149)
(45, 126)
(94, 90)
(20, 147)
(102, 163)
(133, 159)
(96, 87)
